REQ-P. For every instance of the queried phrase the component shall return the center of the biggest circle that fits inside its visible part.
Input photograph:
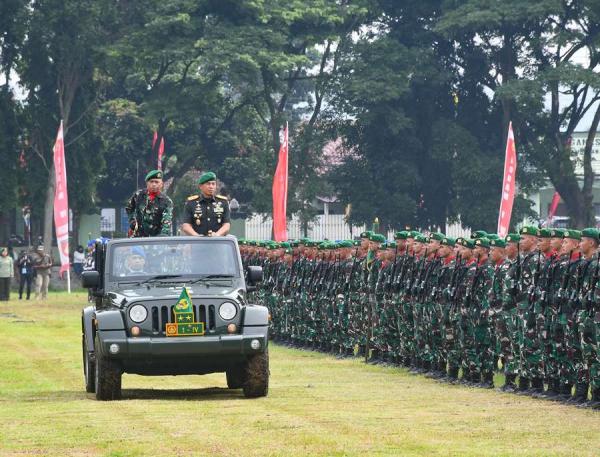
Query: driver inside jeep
(135, 262)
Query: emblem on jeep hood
(184, 324)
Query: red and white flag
(508, 184)
(161, 151)
(280, 186)
(61, 201)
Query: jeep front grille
(163, 315)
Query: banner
(280, 184)
(61, 201)
(553, 206)
(508, 184)
(161, 151)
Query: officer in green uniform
(150, 212)
(206, 214)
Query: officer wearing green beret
(150, 212)
(206, 214)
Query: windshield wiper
(157, 278)
(209, 278)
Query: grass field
(317, 405)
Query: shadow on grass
(207, 393)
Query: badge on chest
(198, 214)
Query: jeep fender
(255, 315)
(87, 326)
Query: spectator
(7, 271)
(78, 259)
(25, 268)
(42, 263)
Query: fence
(325, 226)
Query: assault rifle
(562, 293)
(531, 293)
(591, 293)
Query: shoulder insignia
(193, 197)
(222, 197)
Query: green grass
(317, 405)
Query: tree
(529, 50)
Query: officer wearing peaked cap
(206, 214)
(150, 212)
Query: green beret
(207, 176)
(492, 236)
(345, 244)
(356, 242)
(557, 232)
(466, 243)
(479, 234)
(591, 232)
(512, 238)
(448, 241)
(390, 245)
(289, 251)
(154, 174)
(482, 242)
(285, 245)
(272, 246)
(421, 239)
(294, 243)
(437, 236)
(376, 237)
(366, 234)
(401, 235)
(545, 233)
(572, 234)
(304, 241)
(498, 243)
(322, 246)
(529, 230)
(414, 233)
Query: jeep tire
(236, 377)
(89, 368)
(256, 383)
(108, 377)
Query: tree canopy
(419, 93)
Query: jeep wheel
(108, 378)
(257, 375)
(235, 377)
(89, 369)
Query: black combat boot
(565, 392)
(509, 383)
(523, 385)
(595, 401)
(581, 393)
(537, 387)
(487, 380)
(452, 374)
(475, 378)
(553, 389)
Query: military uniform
(206, 214)
(150, 216)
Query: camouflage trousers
(531, 323)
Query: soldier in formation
(523, 310)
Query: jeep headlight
(227, 311)
(138, 313)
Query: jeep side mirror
(90, 279)
(255, 274)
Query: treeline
(419, 92)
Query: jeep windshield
(173, 261)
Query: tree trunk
(49, 210)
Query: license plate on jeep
(195, 328)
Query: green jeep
(169, 306)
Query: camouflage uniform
(150, 216)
